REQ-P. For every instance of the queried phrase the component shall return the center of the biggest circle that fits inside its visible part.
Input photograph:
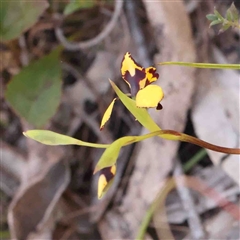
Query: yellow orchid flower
(138, 79)
(105, 180)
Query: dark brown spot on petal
(159, 106)
(107, 173)
(134, 80)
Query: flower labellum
(135, 76)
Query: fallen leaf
(35, 201)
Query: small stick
(73, 46)
(194, 221)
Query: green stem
(158, 203)
(233, 24)
(194, 160)
(203, 65)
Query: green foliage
(232, 14)
(35, 92)
(18, 16)
(76, 5)
(110, 155)
(5, 234)
(51, 138)
(230, 20)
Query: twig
(104, 136)
(11, 160)
(79, 213)
(9, 181)
(71, 46)
(137, 32)
(188, 204)
(67, 234)
(24, 57)
(88, 119)
(158, 204)
(87, 83)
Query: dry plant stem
(24, 58)
(91, 122)
(87, 84)
(195, 184)
(137, 33)
(68, 233)
(159, 203)
(75, 72)
(12, 161)
(194, 221)
(71, 46)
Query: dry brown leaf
(222, 226)
(215, 113)
(215, 178)
(154, 157)
(33, 205)
(44, 178)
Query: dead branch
(92, 42)
(194, 221)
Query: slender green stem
(233, 24)
(203, 65)
(158, 203)
(194, 160)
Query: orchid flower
(138, 79)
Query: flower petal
(129, 65)
(105, 180)
(151, 74)
(136, 76)
(132, 73)
(149, 96)
(107, 114)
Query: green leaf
(75, 5)
(229, 16)
(52, 138)
(19, 16)
(224, 28)
(35, 92)
(212, 17)
(203, 65)
(140, 114)
(218, 14)
(234, 12)
(215, 22)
